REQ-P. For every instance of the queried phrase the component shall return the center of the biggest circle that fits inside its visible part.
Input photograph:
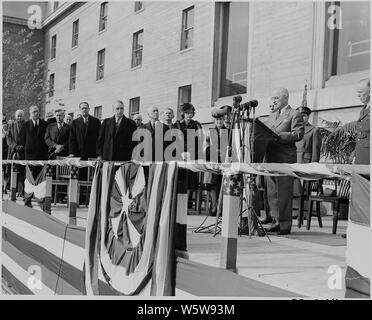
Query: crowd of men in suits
(112, 140)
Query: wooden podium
(261, 137)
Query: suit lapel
(308, 128)
(364, 112)
(113, 127)
(283, 115)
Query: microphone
(221, 111)
(250, 104)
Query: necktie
(117, 126)
(59, 129)
(85, 125)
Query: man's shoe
(283, 232)
(273, 228)
(266, 220)
(28, 204)
(259, 233)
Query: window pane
(189, 18)
(184, 95)
(73, 76)
(353, 47)
(100, 64)
(98, 112)
(75, 33)
(134, 106)
(51, 85)
(234, 49)
(187, 28)
(53, 47)
(138, 5)
(137, 49)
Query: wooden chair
(62, 178)
(86, 183)
(341, 195)
(309, 187)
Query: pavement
(299, 262)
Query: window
(138, 5)
(100, 64)
(53, 47)
(98, 112)
(187, 28)
(137, 48)
(184, 95)
(51, 85)
(348, 47)
(75, 33)
(55, 5)
(234, 49)
(73, 76)
(134, 106)
(103, 16)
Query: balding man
(68, 119)
(57, 136)
(289, 125)
(13, 133)
(137, 118)
(115, 141)
(157, 129)
(362, 147)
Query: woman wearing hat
(187, 123)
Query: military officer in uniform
(289, 125)
(308, 149)
(363, 125)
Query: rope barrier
(308, 171)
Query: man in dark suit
(14, 149)
(308, 149)
(157, 130)
(84, 133)
(57, 136)
(362, 147)
(289, 125)
(31, 138)
(115, 141)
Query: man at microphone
(289, 125)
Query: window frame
(51, 85)
(330, 77)
(97, 112)
(184, 30)
(180, 102)
(102, 65)
(135, 48)
(103, 14)
(131, 102)
(136, 9)
(72, 84)
(53, 47)
(75, 33)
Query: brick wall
(164, 68)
